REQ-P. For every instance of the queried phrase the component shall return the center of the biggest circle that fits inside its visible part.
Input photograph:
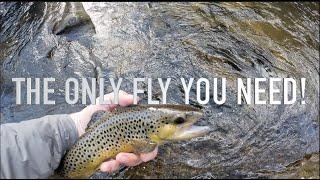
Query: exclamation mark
(303, 85)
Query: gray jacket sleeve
(34, 148)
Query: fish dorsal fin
(92, 125)
(107, 115)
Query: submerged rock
(74, 16)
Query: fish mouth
(190, 131)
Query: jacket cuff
(69, 131)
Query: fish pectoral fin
(143, 146)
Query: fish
(134, 129)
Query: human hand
(83, 117)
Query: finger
(149, 156)
(128, 159)
(125, 100)
(109, 166)
(108, 102)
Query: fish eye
(179, 120)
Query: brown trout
(136, 129)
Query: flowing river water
(231, 40)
